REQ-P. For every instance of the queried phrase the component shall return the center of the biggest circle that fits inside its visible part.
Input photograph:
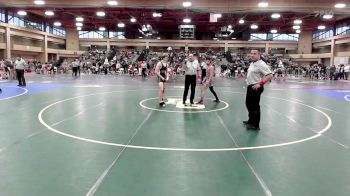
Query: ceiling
(310, 12)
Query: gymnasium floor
(106, 135)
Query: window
(93, 34)
(284, 37)
(59, 31)
(343, 29)
(2, 15)
(322, 34)
(117, 35)
(16, 20)
(258, 36)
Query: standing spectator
(346, 71)
(332, 72)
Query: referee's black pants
(190, 80)
(252, 102)
(20, 77)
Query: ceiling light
(340, 5)
(49, 13)
(155, 14)
(327, 16)
(321, 27)
(79, 24)
(273, 31)
(57, 24)
(298, 31)
(39, 2)
(276, 16)
(133, 19)
(121, 25)
(186, 20)
(263, 4)
(298, 21)
(102, 29)
(254, 26)
(229, 26)
(187, 4)
(79, 28)
(100, 13)
(241, 21)
(112, 3)
(79, 19)
(22, 13)
(217, 15)
(296, 27)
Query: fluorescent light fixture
(273, 31)
(100, 13)
(22, 13)
(133, 19)
(39, 2)
(79, 28)
(187, 4)
(340, 5)
(263, 4)
(254, 26)
(328, 16)
(57, 24)
(79, 24)
(102, 29)
(241, 21)
(296, 27)
(186, 20)
(49, 13)
(79, 19)
(218, 15)
(112, 3)
(321, 27)
(155, 14)
(298, 21)
(275, 16)
(121, 25)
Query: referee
(19, 66)
(191, 68)
(258, 74)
